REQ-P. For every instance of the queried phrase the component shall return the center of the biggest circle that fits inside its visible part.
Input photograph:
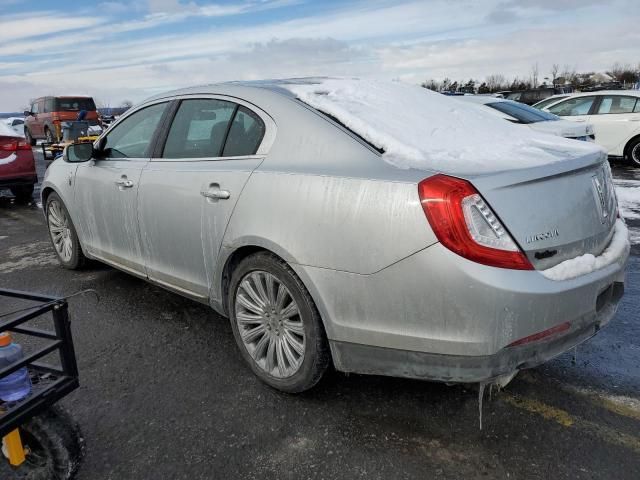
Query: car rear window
(522, 113)
(540, 105)
(74, 104)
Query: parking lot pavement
(164, 394)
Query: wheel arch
(45, 192)
(235, 256)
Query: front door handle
(216, 194)
(124, 183)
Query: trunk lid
(554, 212)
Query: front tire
(62, 232)
(276, 324)
(29, 138)
(634, 153)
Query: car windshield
(549, 101)
(74, 104)
(523, 113)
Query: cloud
(20, 26)
(132, 57)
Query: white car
(533, 118)
(16, 124)
(614, 114)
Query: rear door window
(573, 107)
(132, 137)
(245, 134)
(616, 104)
(199, 129)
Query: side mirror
(78, 152)
(27, 113)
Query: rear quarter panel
(322, 198)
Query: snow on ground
(628, 193)
(421, 129)
(587, 263)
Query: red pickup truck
(17, 165)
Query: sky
(128, 50)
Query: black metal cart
(49, 382)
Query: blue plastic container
(16, 386)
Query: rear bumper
(6, 182)
(435, 315)
(365, 359)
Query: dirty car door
(188, 193)
(106, 190)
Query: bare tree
(496, 82)
(431, 84)
(569, 75)
(534, 75)
(555, 68)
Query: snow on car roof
(421, 129)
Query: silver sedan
(287, 219)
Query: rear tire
(280, 333)
(63, 235)
(634, 153)
(23, 193)
(49, 135)
(29, 138)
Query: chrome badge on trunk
(604, 194)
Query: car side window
(34, 107)
(637, 108)
(573, 106)
(616, 104)
(48, 105)
(245, 134)
(132, 137)
(199, 129)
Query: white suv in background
(614, 114)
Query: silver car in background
(290, 223)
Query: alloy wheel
(270, 324)
(635, 153)
(60, 230)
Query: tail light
(13, 144)
(466, 225)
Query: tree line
(623, 74)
